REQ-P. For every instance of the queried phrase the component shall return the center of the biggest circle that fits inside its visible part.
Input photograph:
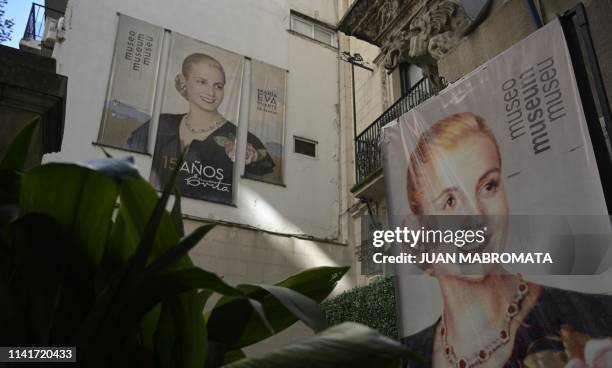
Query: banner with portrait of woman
(266, 122)
(505, 154)
(131, 89)
(199, 116)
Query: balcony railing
(39, 16)
(367, 143)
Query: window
(305, 146)
(324, 35)
(312, 29)
(410, 75)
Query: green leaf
(203, 297)
(174, 254)
(304, 308)
(17, 153)
(233, 356)
(232, 322)
(116, 312)
(143, 229)
(176, 213)
(159, 287)
(164, 338)
(191, 340)
(80, 199)
(138, 199)
(348, 345)
(148, 327)
(147, 240)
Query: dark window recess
(305, 147)
(404, 69)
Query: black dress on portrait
(208, 169)
(540, 331)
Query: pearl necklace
(193, 130)
(502, 338)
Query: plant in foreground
(117, 283)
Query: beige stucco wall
(241, 256)
(260, 247)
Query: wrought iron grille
(367, 143)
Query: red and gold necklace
(502, 338)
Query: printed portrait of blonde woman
(494, 318)
(207, 172)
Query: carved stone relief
(419, 32)
(426, 36)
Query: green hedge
(372, 305)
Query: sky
(18, 10)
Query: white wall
(369, 92)
(309, 204)
(246, 256)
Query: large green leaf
(133, 236)
(180, 339)
(233, 356)
(177, 213)
(80, 197)
(176, 253)
(138, 199)
(302, 307)
(117, 312)
(233, 324)
(148, 326)
(164, 338)
(191, 340)
(162, 286)
(148, 236)
(348, 345)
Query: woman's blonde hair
(445, 133)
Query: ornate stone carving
(416, 31)
(424, 38)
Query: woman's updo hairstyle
(195, 58)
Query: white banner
(508, 143)
(131, 90)
(200, 110)
(266, 123)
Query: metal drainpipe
(533, 11)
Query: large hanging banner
(494, 176)
(266, 123)
(131, 90)
(199, 111)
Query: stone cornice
(415, 31)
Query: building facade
(352, 67)
(270, 231)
